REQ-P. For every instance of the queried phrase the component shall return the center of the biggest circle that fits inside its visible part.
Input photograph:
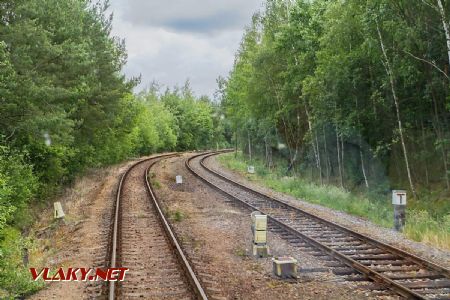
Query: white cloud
(170, 41)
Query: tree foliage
(358, 91)
(65, 106)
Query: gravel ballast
(357, 224)
(216, 232)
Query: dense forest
(65, 107)
(351, 93)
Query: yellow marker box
(259, 221)
(260, 237)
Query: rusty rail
(113, 255)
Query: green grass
(241, 252)
(155, 184)
(176, 215)
(423, 225)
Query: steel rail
(193, 280)
(115, 234)
(375, 276)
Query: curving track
(142, 240)
(351, 254)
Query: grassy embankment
(428, 226)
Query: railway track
(350, 254)
(143, 241)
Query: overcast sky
(170, 41)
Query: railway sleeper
(357, 251)
(376, 263)
(399, 269)
(423, 284)
(414, 276)
(344, 271)
(353, 247)
(357, 256)
(356, 277)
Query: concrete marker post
(251, 169)
(399, 202)
(259, 231)
(58, 213)
(58, 210)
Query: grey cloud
(200, 16)
(214, 22)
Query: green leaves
(64, 107)
(315, 70)
(17, 184)
(177, 120)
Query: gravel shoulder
(357, 224)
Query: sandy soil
(217, 239)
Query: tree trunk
(397, 108)
(439, 136)
(444, 155)
(427, 178)
(313, 142)
(361, 154)
(445, 26)
(268, 153)
(319, 163)
(327, 159)
(286, 128)
(342, 159)
(339, 157)
(362, 162)
(249, 145)
(269, 150)
(235, 144)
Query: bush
(14, 276)
(17, 185)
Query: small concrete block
(285, 267)
(179, 179)
(251, 169)
(260, 251)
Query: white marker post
(399, 202)
(179, 179)
(58, 210)
(251, 169)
